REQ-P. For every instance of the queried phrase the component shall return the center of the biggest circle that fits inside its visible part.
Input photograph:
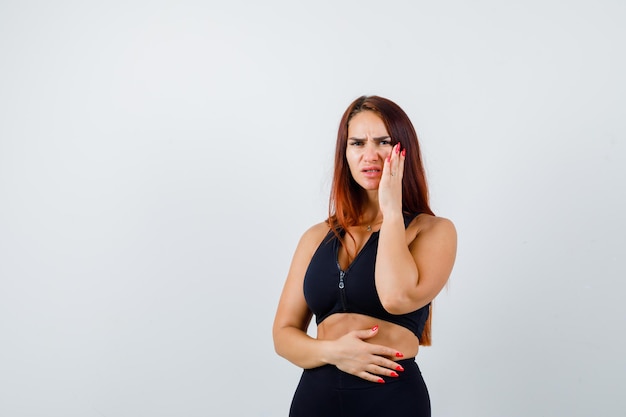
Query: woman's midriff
(389, 334)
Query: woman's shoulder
(427, 225)
(313, 236)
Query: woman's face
(368, 145)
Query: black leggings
(328, 392)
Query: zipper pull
(341, 274)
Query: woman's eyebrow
(378, 139)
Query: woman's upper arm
(292, 309)
(434, 252)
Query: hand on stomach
(361, 351)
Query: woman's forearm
(396, 272)
(299, 348)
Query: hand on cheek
(390, 189)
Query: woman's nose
(371, 153)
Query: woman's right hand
(352, 354)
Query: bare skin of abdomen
(389, 334)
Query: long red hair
(347, 198)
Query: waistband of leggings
(339, 379)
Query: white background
(160, 160)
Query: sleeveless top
(329, 290)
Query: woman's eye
(356, 143)
(385, 142)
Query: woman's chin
(369, 185)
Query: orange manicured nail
(399, 368)
(375, 328)
(399, 355)
(393, 374)
(381, 381)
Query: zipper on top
(342, 291)
(342, 273)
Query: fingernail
(389, 158)
(399, 355)
(381, 381)
(404, 152)
(398, 147)
(375, 328)
(393, 374)
(399, 368)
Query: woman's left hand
(390, 187)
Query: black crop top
(329, 290)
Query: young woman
(368, 273)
